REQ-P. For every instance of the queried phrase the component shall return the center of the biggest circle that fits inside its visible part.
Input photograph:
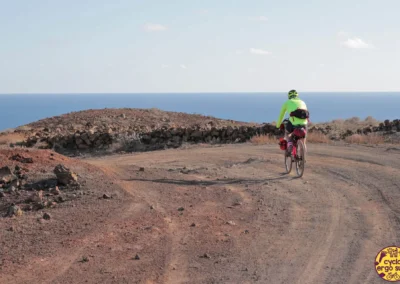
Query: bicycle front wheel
(288, 162)
(300, 159)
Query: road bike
(298, 153)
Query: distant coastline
(201, 93)
(21, 109)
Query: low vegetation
(370, 139)
(365, 139)
(263, 139)
(271, 139)
(353, 123)
(318, 138)
(7, 138)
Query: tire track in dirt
(356, 183)
(324, 228)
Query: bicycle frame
(294, 148)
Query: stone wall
(78, 141)
(88, 140)
(173, 138)
(158, 139)
(386, 128)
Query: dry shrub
(24, 128)
(365, 139)
(370, 120)
(11, 138)
(263, 139)
(353, 120)
(393, 139)
(270, 139)
(126, 143)
(317, 137)
(7, 131)
(338, 121)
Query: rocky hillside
(132, 130)
(133, 120)
(114, 130)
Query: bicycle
(298, 155)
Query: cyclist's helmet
(292, 94)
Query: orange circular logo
(387, 264)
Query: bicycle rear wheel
(300, 158)
(288, 162)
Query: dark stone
(46, 216)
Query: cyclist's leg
(286, 131)
(305, 145)
(289, 130)
(305, 138)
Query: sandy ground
(217, 215)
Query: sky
(126, 46)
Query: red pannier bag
(300, 132)
(282, 144)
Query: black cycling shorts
(290, 127)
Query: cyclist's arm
(281, 115)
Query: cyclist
(298, 112)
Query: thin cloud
(343, 34)
(164, 66)
(356, 43)
(239, 52)
(203, 12)
(258, 51)
(183, 66)
(154, 28)
(259, 19)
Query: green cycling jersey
(289, 106)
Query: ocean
(20, 109)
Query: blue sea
(20, 109)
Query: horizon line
(169, 93)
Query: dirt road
(229, 215)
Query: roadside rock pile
(18, 195)
(14, 210)
(65, 176)
(22, 159)
(11, 181)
